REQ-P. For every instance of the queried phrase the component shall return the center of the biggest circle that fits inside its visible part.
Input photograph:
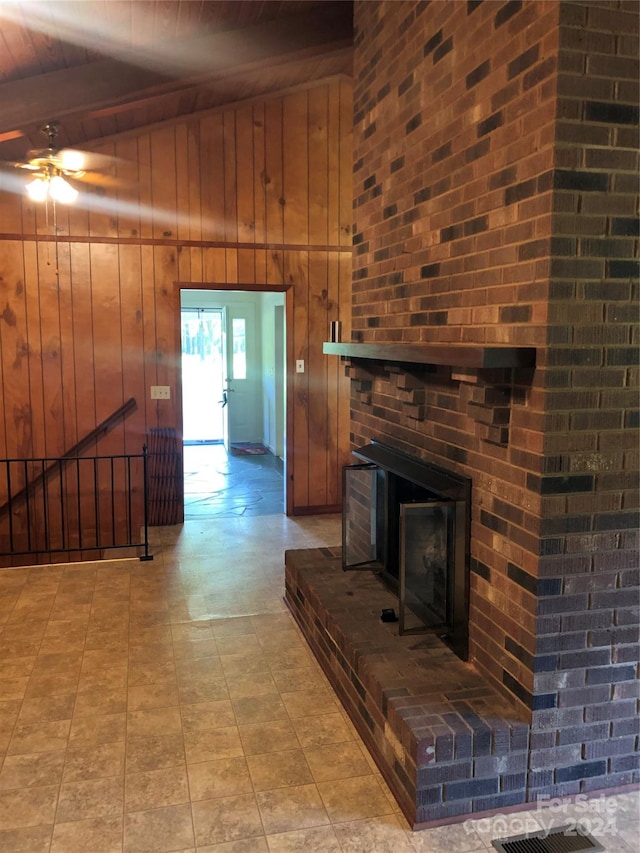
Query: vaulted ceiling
(100, 67)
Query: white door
(202, 375)
(242, 376)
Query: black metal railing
(69, 505)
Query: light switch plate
(160, 392)
(300, 365)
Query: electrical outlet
(300, 365)
(160, 392)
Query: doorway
(233, 402)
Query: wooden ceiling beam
(110, 82)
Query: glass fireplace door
(362, 537)
(426, 570)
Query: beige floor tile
(189, 631)
(294, 656)
(17, 667)
(337, 761)
(307, 703)
(207, 715)
(194, 669)
(109, 678)
(9, 710)
(156, 788)
(211, 744)
(226, 819)
(44, 684)
(353, 799)
(203, 690)
(27, 807)
(40, 737)
(158, 830)
(94, 762)
(382, 834)
(243, 644)
(163, 695)
(100, 701)
(28, 771)
(243, 845)
(46, 709)
(317, 839)
(92, 798)
(239, 665)
(154, 753)
(321, 730)
(288, 809)
(97, 729)
(298, 678)
(222, 778)
(259, 709)
(64, 663)
(150, 652)
(279, 770)
(252, 684)
(32, 839)
(154, 721)
(13, 688)
(152, 673)
(194, 649)
(99, 835)
(459, 837)
(232, 627)
(268, 737)
(113, 656)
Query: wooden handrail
(102, 429)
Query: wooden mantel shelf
(454, 355)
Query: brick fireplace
(495, 205)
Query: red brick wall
(495, 202)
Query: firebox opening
(408, 522)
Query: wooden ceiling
(101, 67)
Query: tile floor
(217, 485)
(174, 706)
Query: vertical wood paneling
(126, 188)
(50, 343)
(83, 338)
(259, 192)
(195, 181)
(133, 344)
(34, 403)
(67, 362)
(12, 341)
(182, 182)
(275, 173)
(295, 172)
(317, 366)
(163, 183)
(297, 274)
(212, 177)
(318, 167)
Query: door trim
(287, 289)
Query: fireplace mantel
(453, 354)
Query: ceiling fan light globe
(70, 160)
(38, 189)
(61, 191)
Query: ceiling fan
(53, 167)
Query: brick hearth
(447, 743)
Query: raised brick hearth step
(446, 742)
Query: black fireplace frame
(394, 469)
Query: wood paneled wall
(258, 195)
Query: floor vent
(562, 839)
